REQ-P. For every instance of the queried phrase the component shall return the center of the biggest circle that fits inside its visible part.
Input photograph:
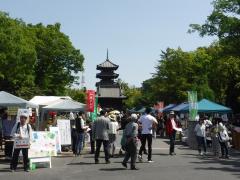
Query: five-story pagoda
(108, 91)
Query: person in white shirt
(21, 130)
(200, 132)
(223, 139)
(147, 122)
(113, 126)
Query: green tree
(77, 94)
(224, 23)
(178, 72)
(132, 93)
(57, 59)
(36, 59)
(17, 57)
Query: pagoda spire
(107, 54)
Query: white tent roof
(65, 105)
(47, 100)
(7, 99)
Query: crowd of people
(136, 129)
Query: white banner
(58, 138)
(65, 131)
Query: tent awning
(65, 105)
(210, 107)
(47, 100)
(179, 107)
(7, 99)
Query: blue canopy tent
(168, 108)
(206, 106)
(179, 107)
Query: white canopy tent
(7, 99)
(65, 105)
(47, 100)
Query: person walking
(147, 123)
(223, 139)
(100, 134)
(112, 134)
(215, 140)
(131, 132)
(200, 131)
(80, 130)
(171, 129)
(21, 131)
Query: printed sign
(21, 143)
(43, 144)
(58, 138)
(90, 100)
(65, 131)
(12, 111)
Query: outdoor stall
(61, 122)
(204, 107)
(10, 106)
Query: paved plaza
(186, 165)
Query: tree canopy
(214, 71)
(36, 59)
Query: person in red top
(172, 128)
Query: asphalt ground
(186, 165)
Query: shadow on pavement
(83, 163)
(231, 165)
(112, 169)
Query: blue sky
(134, 31)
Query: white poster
(43, 144)
(65, 131)
(58, 138)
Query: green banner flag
(93, 115)
(193, 109)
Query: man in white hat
(21, 130)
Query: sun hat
(24, 115)
(134, 116)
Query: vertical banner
(193, 109)
(90, 100)
(94, 114)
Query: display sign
(90, 100)
(43, 144)
(65, 131)
(12, 110)
(21, 143)
(58, 138)
(193, 109)
(93, 115)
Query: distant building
(109, 92)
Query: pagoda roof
(107, 65)
(106, 74)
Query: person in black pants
(131, 132)
(21, 130)
(147, 122)
(100, 134)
